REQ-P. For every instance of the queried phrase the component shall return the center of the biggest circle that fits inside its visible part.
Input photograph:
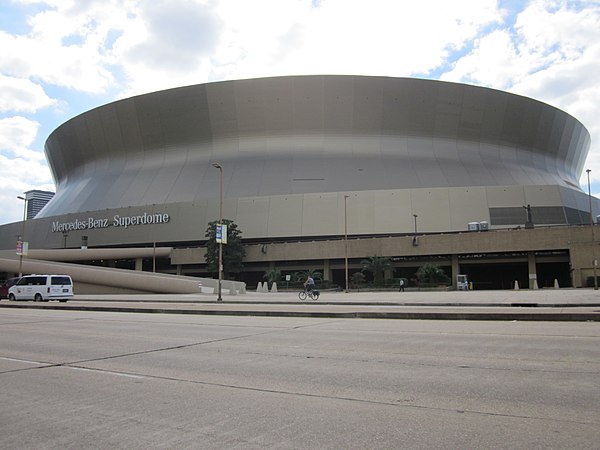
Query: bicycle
(313, 294)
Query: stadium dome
(294, 149)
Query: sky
(59, 58)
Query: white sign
(221, 234)
(22, 248)
(92, 223)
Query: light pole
(22, 237)
(415, 242)
(218, 166)
(346, 238)
(594, 262)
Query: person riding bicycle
(309, 284)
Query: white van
(42, 288)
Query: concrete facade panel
(432, 207)
(468, 205)
(392, 211)
(505, 196)
(542, 195)
(252, 216)
(285, 215)
(318, 214)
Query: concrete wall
(303, 215)
(582, 248)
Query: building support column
(531, 270)
(455, 271)
(388, 274)
(326, 270)
(139, 264)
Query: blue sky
(59, 58)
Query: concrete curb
(464, 314)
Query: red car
(5, 285)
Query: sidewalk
(541, 304)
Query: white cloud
(167, 44)
(186, 41)
(491, 63)
(551, 28)
(20, 175)
(25, 174)
(16, 136)
(63, 48)
(22, 95)
(346, 36)
(164, 43)
(21, 169)
(544, 39)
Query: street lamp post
(22, 238)
(415, 242)
(218, 166)
(346, 238)
(594, 262)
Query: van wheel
(11, 297)
(38, 298)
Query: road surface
(77, 379)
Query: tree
(233, 251)
(431, 274)
(377, 265)
(303, 275)
(357, 279)
(272, 276)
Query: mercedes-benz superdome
(291, 148)
(310, 157)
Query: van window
(29, 281)
(60, 281)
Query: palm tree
(377, 265)
(272, 276)
(304, 274)
(431, 274)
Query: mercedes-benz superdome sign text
(92, 223)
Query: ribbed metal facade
(292, 147)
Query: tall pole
(218, 166)
(22, 238)
(346, 238)
(415, 242)
(594, 262)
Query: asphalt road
(76, 379)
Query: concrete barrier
(99, 280)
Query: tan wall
(554, 238)
(577, 240)
(303, 215)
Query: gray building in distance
(36, 200)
